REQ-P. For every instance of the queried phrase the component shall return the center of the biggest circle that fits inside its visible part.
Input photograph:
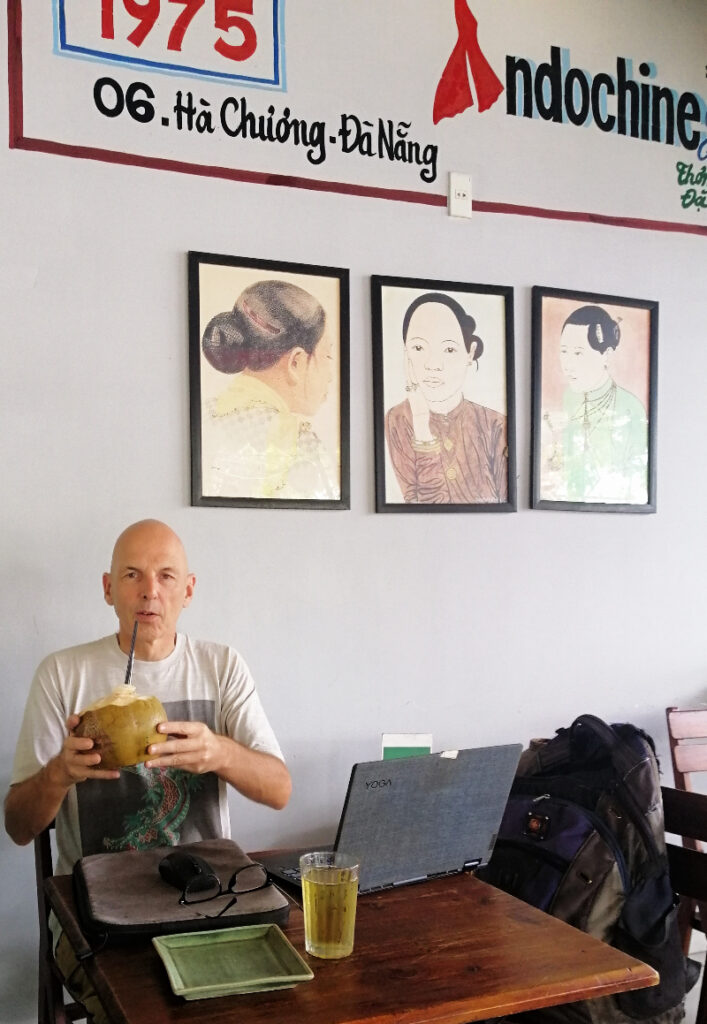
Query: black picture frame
(435, 449)
(268, 434)
(594, 402)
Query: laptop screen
(419, 817)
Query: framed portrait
(269, 382)
(444, 408)
(594, 402)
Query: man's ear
(107, 592)
(189, 591)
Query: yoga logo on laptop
(453, 95)
(379, 783)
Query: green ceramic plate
(231, 961)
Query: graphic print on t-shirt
(149, 807)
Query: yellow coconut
(122, 726)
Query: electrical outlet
(459, 194)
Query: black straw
(129, 669)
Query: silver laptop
(414, 818)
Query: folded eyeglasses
(204, 888)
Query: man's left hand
(190, 745)
(193, 747)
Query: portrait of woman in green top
(596, 444)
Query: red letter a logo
(454, 92)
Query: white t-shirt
(199, 681)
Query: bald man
(217, 730)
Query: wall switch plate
(459, 195)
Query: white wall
(477, 628)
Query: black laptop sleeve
(121, 895)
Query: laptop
(415, 818)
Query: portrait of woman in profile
(603, 453)
(258, 440)
(444, 447)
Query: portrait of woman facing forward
(444, 447)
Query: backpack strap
(624, 760)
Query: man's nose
(149, 585)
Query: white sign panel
(586, 109)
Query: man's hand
(195, 748)
(33, 804)
(191, 745)
(77, 760)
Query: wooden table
(447, 951)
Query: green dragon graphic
(165, 805)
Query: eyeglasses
(249, 878)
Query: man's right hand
(33, 804)
(77, 760)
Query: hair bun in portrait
(603, 331)
(270, 318)
(224, 345)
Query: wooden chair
(687, 733)
(51, 1009)
(686, 816)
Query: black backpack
(582, 838)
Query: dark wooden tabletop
(447, 951)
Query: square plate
(231, 961)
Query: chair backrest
(687, 732)
(51, 1007)
(686, 816)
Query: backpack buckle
(536, 825)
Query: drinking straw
(129, 669)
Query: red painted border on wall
(19, 141)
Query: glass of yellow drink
(329, 889)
